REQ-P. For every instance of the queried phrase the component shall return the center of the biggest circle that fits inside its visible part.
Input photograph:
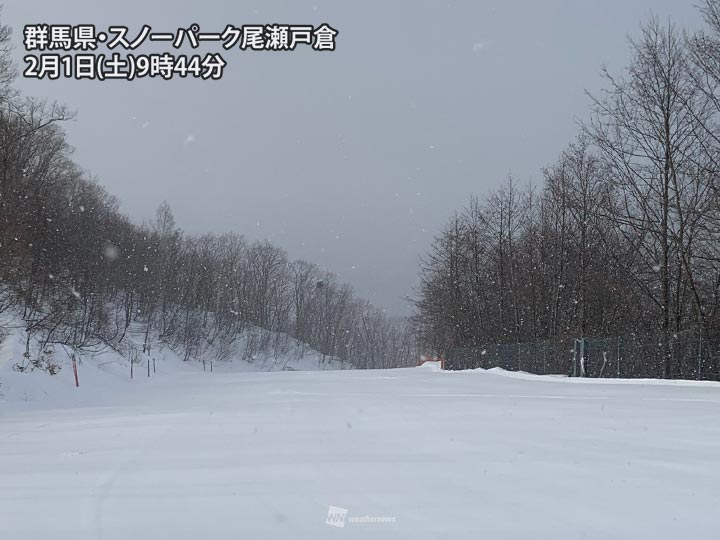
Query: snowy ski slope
(424, 454)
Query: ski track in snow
(190, 455)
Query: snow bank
(431, 365)
(104, 372)
(523, 375)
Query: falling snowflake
(111, 252)
(479, 47)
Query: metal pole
(327, 324)
(575, 358)
(518, 358)
(699, 359)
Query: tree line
(623, 234)
(80, 273)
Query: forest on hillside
(622, 236)
(78, 272)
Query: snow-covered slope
(103, 370)
(432, 455)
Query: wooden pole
(74, 365)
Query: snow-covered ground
(193, 455)
(104, 370)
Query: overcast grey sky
(351, 159)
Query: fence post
(518, 357)
(603, 364)
(618, 356)
(699, 368)
(575, 341)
